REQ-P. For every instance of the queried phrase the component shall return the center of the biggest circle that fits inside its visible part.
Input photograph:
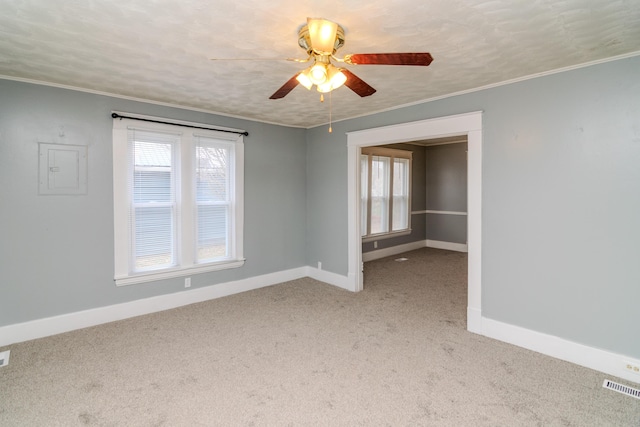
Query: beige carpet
(304, 353)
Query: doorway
(469, 124)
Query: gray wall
(560, 200)
(56, 254)
(418, 201)
(446, 190)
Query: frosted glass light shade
(304, 80)
(322, 34)
(318, 74)
(338, 79)
(325, 87)
(335, 80)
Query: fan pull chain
(330, 106)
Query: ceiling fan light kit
(323, 74)
(321, 38)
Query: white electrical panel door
(63, 169)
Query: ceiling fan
(321, 38)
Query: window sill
(153, 276)
(383, 236)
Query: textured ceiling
(160, 50)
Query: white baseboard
(82, 319)
(458, 247)
(393, 250)
(330, 278)
(579, 354)
(399, 249)
(474, 320)
(589, 357)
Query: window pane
(153, 238)
(400, 194)
(152, 186)
(212, 173)
(212, 199)
(379, 218)
(213, 232)
(364, 192)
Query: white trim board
(589, 357)
(559, 348)
(328, 277)
(399, 249)
(393, 250)
(83, 319)
(449, 246)
(445, 212)
(41, 328)
(438, 212)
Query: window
(178, 200)
(385, 192)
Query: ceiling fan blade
(419, 58)
(263, 59)
(286, 88)
(357, 85)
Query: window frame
(392, 154)
(186, 199)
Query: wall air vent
(4, 358)
(629, 391)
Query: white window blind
(152, 188)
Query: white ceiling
(160, 50)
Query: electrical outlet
(187, 282)
(4, 358)
(632, 367)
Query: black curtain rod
(118, 116)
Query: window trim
(392, 154)
(187, 266)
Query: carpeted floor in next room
(304, 353)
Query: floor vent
(629, 391)
(4, 358)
